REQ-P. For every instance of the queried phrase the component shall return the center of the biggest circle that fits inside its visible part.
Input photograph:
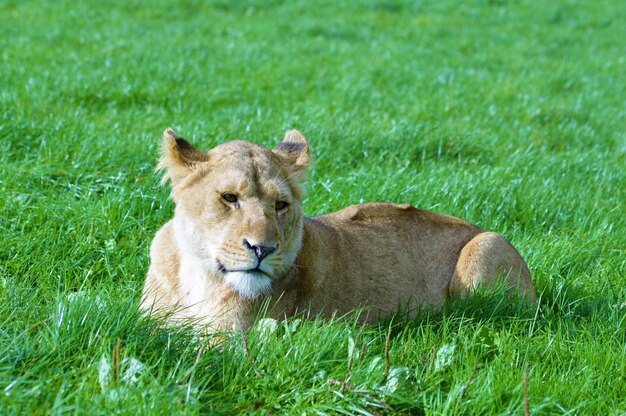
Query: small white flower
(266, 327)
(135, 368)
(444, 357)
(397, 376)
(104, 373)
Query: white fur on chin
(249, 285)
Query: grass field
(509, 114)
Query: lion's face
(238, 208)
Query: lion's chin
(249, 285)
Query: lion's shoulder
(164, 252)
(393, 213)
(374, 211)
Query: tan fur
(217, 260)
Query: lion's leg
(485, 258)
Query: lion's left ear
(294, 151)
(178, 157)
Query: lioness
(238, 237)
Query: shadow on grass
(555, 304)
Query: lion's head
(238, 207)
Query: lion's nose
(260, 251)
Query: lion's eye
(231, 198)
(281, 205)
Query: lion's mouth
(256, 270)
(253, 271)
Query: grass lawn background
(510, 115)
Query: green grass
(509, 114)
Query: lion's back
(382, 254)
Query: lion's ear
(178, 157)
(294, 151)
